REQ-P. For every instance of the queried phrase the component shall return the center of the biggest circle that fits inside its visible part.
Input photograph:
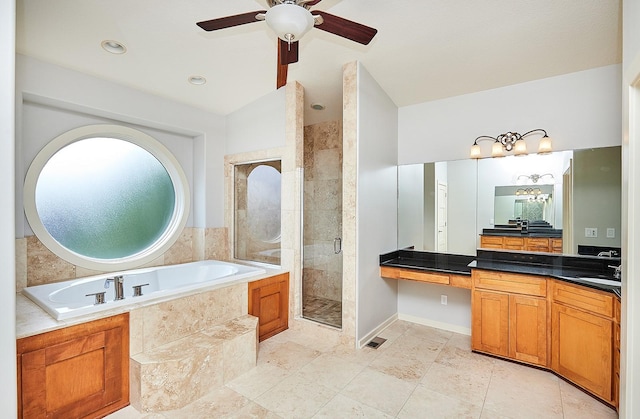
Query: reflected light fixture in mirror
(511, 141)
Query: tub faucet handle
(137, 290)
(99, 297)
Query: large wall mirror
(445, 206)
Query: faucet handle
(617, 270)
(99, 297)
(137, 290)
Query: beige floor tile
(331, 371)
(423, 348)
(465, 384)
(130, 413)
(576, 404)
(429, 333)
(290, 356)
(460, 341)
(344, 407)
(523, 392)
(407, 366)
(296, 397)
(425, 403)
(464, 359)
(362, 356)
(257, 381)
(222, 403)
(380, 391)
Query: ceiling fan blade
(282, 75)
(230, 21)
(287, 52)
(313, 2)
(346, 28)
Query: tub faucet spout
(118, 282)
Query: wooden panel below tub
(80, 371)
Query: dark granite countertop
(428, 261)
(562, 267)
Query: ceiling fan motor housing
(289, 21)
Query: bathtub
(68, 299)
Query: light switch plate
(611, 233)
(591, 232)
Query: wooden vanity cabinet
(529, 244)
(582, 345)
(269, 302)
(80, 371)
(509, 316)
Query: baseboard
(438, 325)
(375, 332)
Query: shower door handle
(337, 245)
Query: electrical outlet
(443, 300)
(591, 232)
(611, 233)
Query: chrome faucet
(617, 272)
(118, 282)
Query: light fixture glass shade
(497, 150)
(475, 151)
(289, 21)
(520, 149)
(545, 145)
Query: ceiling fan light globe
(289, 21)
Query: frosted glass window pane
(263, 203)
(105, 198)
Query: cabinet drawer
(514, 241)
(431, 277)
(594, 301)
(537, 244)
(494, 242)
(556, 245)
(509, 282)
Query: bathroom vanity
(560, 313)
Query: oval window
(106, 197)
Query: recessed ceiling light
(113, 47)
(197, 80)
(317, 106)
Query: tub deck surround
(175, 374)
(68, 299)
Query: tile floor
(323, 310)
(419, 372)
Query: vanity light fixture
(113, 47)
(511, 141)
(535, 177)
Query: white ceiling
(424, 49)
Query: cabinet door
(491, 242)
(581, 349)
(490, 322)
(77, 372)
(528, 329)
(269, 301)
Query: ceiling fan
(290, 20)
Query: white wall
(630, 350)
(66, 98)
(8, 395)
(376, 202)
(258, 125)
(578, 110)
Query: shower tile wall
(322, 272)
